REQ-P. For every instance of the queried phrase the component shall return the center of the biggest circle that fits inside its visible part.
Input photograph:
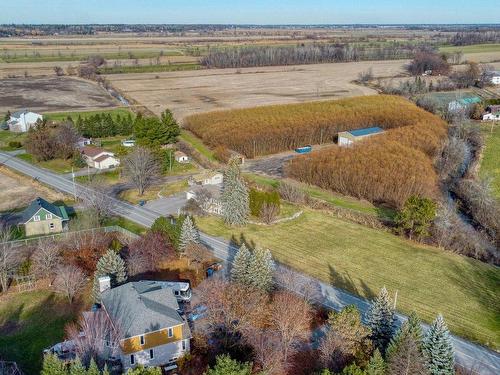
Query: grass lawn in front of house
(55, 165)
(490, 162)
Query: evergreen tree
(226, 366)
(261, 269)
(416, 216)
(407, 359)
(381, 320)
(53, 366)
(112, 265)
(234, 198)
(353, 369)
(189, 234)
(376, 366)
(93, 369)
(438, 349)
(77, 368)
(241, 263)
(411, 327)
(105, 370)
(141, 370)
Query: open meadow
(190, 92)
(52, 94)
(362, 260)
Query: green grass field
(490, 164)
(327, 196)
(475, 48)
(55, 165)
(148, 68)
(7, 136)
(60, 116)
(30, 322)
(362, 260)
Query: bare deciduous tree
(66, 138)
(69, 281)
(95, 336)
(10, 258)
(95, 197)
(142, 168)
(268, 212)
(46, 258)
(149, 251)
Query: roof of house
(494, 108)
(141, 307)
(39, 203)
(92, 151)
(18, 114)
(365, 131)
(103, 157)
(179, 153)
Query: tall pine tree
(234, 198)
(411, 327)
(53, 366)
(376, 366)
(77, 368)
(189, 234)
(261, 269)
(438, 349)
(241, 263)
(381, 320)
(93, 369)
(112, 265)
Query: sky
(247, 11)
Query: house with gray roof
(42, 217)
(147, 315)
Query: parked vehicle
(128, 143)
(214, 267)
(304, 149)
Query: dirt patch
(190, 92)
(46, 94)
(18, 191)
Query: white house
(99, 158)
(206, 178)
(492, 113)
(82, 142)
(347, 138)
(22, 121)
(181, 157)
(494, 77)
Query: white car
(128, 143)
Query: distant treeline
(469, 38)
(305, 54)
(104, 125)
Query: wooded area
(271, 129)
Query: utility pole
(395, 299)
(170, 161)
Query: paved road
(483, 360)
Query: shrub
(222, 154)
(15, 144)
(291, 192)
(260, 198)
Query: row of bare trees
(305, 54)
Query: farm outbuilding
(181, 157)
(347, 138)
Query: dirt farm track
(52, 94)
(198, 91)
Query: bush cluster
(259, 198)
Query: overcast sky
(248, 11)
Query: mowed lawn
(29, 323)
(490, 164)
(475, 48)
(362, 260)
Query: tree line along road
(472, 356)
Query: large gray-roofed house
(141, 307)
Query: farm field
(482, 53)
(53, 94)
(18, 191)
(490, 163)
(190, 92)
(428, 280)
(31, 322)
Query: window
(48, 216)
(51, 226)
(132, 359)
(142, 340)
(176, 292)
(36, 218)
(183, 344)
(170, 332)
(151, 354)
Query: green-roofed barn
(42, 217)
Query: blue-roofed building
(347, 138)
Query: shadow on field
(346, 282)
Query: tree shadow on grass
(346, 282)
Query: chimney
(104, 283)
